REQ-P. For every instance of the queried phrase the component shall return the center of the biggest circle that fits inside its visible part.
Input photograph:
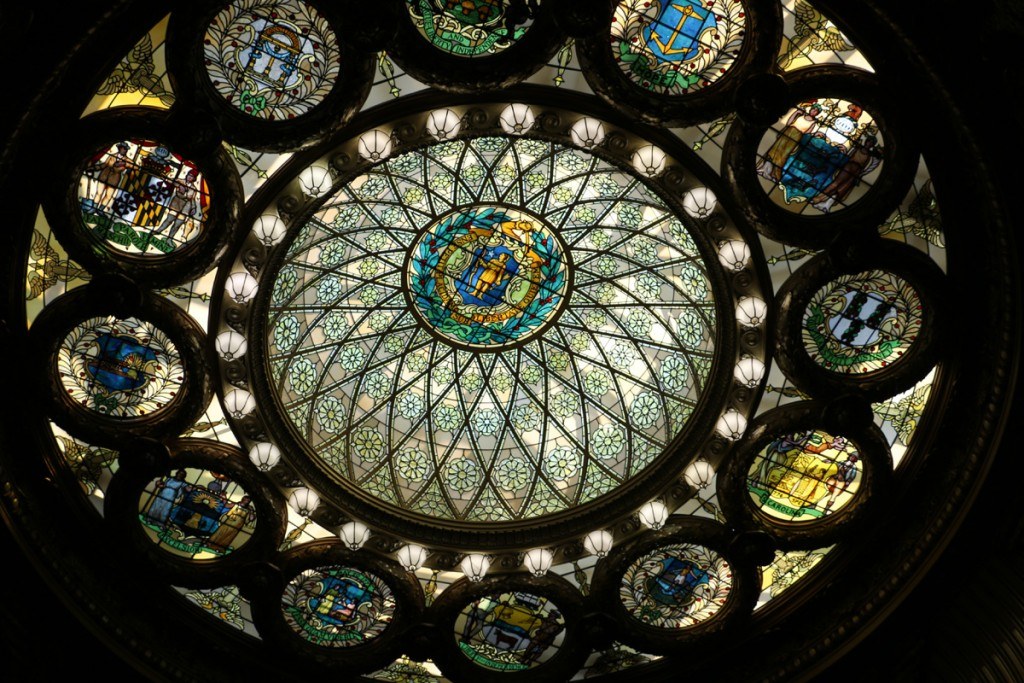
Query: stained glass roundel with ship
(862, 322)
(197, 513)
(140, 197)
(271, 59)
(120, 367)
(510, 632)
(487, 277)
(676, 586)
(822, 156)
(509, 381)
(338, 606)
(674, 47)
(467, 28)
(804, 476)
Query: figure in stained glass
(822, 153)
(509, 632)
(183, 209)
(197, 513)
(804, 476)
(138, 195)
(483, 277)
(171, 491)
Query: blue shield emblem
(489, 273)
(675, 584)
(123, 364)
(857, 324)
(674, 35)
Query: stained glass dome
(522, 325)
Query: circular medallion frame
(757, 54)
(809, 422)
(60, 318)
(195, 90)
(376, 652)
(98, 133)
(678, 530)
(740, 160)
(413, 52)
(201, 503)
(572, 651)
(876, 255)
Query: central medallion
(487, 277)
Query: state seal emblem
(487, 277)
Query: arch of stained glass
(521, 325)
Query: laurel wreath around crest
(225, 53)
(631, 17)
(431, 306)
(77, 350)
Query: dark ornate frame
(101, 298)
(97, 132)
(740, 159)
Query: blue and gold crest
(488, 277)
(674, 36)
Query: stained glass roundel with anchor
(487, 277)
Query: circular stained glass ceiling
(490, 329)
